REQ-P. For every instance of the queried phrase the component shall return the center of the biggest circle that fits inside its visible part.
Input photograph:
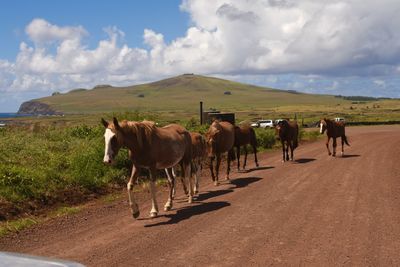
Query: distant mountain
(177, 94)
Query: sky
(315, 46)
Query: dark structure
(210, 116)
(201, 113)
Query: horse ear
(116, 124)
(104, 122)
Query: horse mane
(143, 130)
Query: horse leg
(327, 146)
(245, 157)
(228, 162)
(154, 206)
(238, 157)
(334, 147)
(195, 169)
(217, 169)
(212, 169)
(186, 173)
(287, 150)
(342, 146)
(283, 150)
(183, 180)
(132, 202)
(174, 180)
(171, 183)
(291, 150)
(255, 155)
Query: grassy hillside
(178, 98)
(181, 94)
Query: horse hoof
(153, 214)
(257, 165)
(196, 191)
(136, 214)
(329, 154)
(190, 200)
(216, 183)
(167, 208)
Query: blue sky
(130, 16)
(333, 47)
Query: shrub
(265, 137)
(37, 166)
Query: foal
(152, 148)
(245, 135)
(288, 132)
(220, 139)
(334, 129)
(199, 153)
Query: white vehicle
(263, 124)
(340, 119)
(278, 121)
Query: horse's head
(280, 129)
(211, 139)
(322, 126)
(113, 140)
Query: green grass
(62, 211)
(17, 225)
(110, 198)
(37, 167)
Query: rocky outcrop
(37, 108)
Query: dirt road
(319, 211)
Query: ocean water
(12, 115)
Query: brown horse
(220, 139)
(245, 135)
(199, 153)
(152, 148)
(287, 132)
(334, 129)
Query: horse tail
(253, 138)
(296, 136)
(295, 142)
(345, 140)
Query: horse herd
(156, 148)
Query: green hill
(180, 94)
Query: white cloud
(380, 83)
(264, 41)
(40, 32)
